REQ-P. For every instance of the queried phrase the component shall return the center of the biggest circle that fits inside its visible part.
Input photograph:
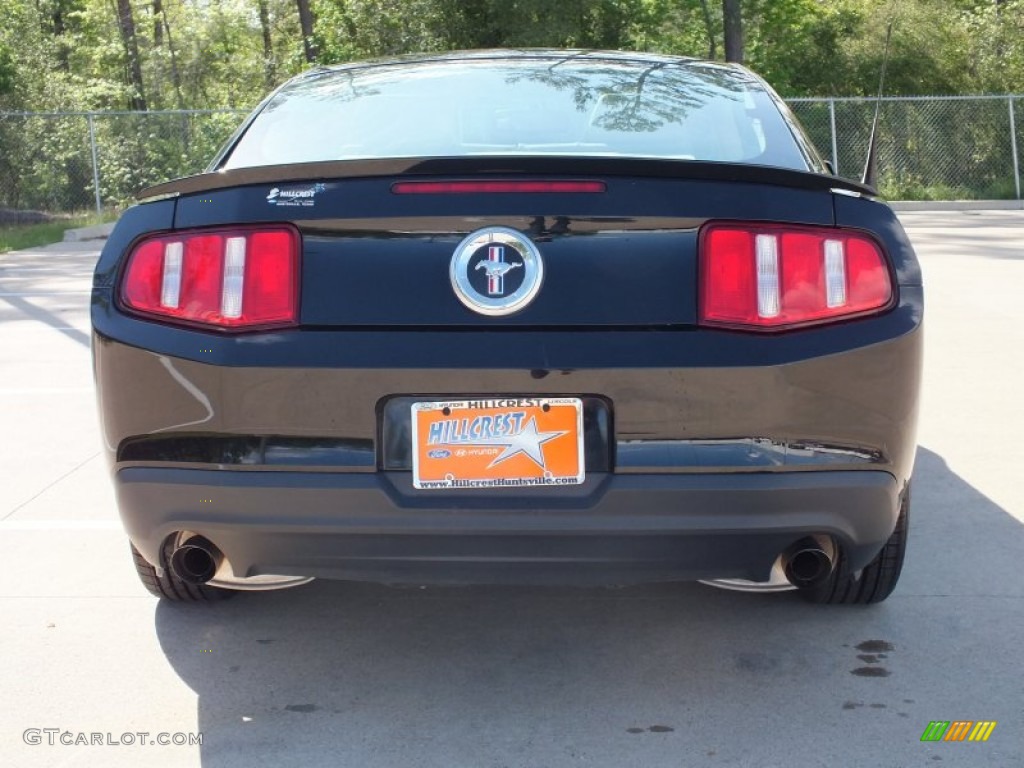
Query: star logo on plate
(528, 442)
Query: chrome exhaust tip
(196, 560)
(809, 561)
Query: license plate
(497, 443)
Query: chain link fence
(934, 148)
(91, 162)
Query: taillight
(239, 278)
(762, 277)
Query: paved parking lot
(339, 674)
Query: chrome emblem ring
(496, 271)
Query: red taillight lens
(771, 277)
(239, 278)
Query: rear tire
(876, 580)
(169, 586)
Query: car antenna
(871, 166)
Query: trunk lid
(623, 257)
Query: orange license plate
(503, 442)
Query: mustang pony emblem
(512, 266)
(496, 270)
(496, 267)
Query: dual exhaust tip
(196, 560)
(809, 562)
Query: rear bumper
(614, 529)
(723, 448)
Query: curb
(99, 232)
(957, 205)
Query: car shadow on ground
(347, 674)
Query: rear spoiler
(532, 165)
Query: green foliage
(136, 151)
(993, 45)
(46, 163)
(951, 149)
(69, 55)
(7, 71)
(32, 235)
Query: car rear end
(713, 375)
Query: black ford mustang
(513, 316)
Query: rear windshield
(565, 106)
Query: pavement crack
(50, 485)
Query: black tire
(169, 586)
(876, 580)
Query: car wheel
(163, 582)
(876, 580)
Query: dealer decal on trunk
(303, 196)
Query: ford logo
(439, 453)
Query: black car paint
(814, 426)
(612, 529)
(550, 342)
